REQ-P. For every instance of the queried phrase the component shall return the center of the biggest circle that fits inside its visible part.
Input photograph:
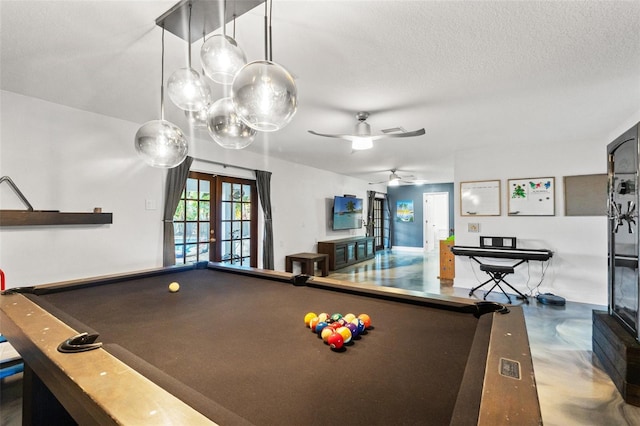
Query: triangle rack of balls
(337, 330)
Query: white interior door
(436, 218)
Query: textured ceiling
(471, 73)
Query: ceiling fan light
(394, 181)
(264, 95)
(221, 58)
(361, 143)
(161, 144)
(226, 128)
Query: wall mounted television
(347, 213)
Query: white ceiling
(472, 73)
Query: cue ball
(174, 287)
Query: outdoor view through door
(216, 220)
(378, 223)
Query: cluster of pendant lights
(263, 99)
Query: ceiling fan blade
(326, 135)
(412, 133)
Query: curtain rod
(224, 164)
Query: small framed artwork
(404, 211)
(480, 198)
(532, 196)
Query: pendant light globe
(197, 118)
(161, 144)
(264, 96)
(221, 58)
(226, 128)
(187, 90)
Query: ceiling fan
(395, 179)
(362, 137)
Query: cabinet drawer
(341, 256)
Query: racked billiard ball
(335, 341)
(353, 329)
(366, 319)
(349, 317)
(325, 333)
(321, 326)
(308, 318)
(345, 333)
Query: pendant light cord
(189, 35)
(270, 36)
(224, 19)
(268, 44)
(162, 78)
(266, 34)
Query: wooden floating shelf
(48, 217)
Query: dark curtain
(371, 197)
(386, 242)
(263, 182)
(176, 179)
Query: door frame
(440, 201)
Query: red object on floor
(1, 280)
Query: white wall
(578, 269)
(70, 160)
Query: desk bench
(307, 262)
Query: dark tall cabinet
(623, 229)
(616, 332)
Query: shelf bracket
(17, 191)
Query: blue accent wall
(409, 234)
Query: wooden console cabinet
(347, 251)
(447, 261)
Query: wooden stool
(307, 262)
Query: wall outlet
(150, 204)
(473, 227)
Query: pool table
(231, 348)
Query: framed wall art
(532, 196)
(585, 195)
(404, 211)
(480, 198)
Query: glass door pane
(238, 221)
(192, 221)
(378, 223)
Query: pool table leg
(39, 405)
